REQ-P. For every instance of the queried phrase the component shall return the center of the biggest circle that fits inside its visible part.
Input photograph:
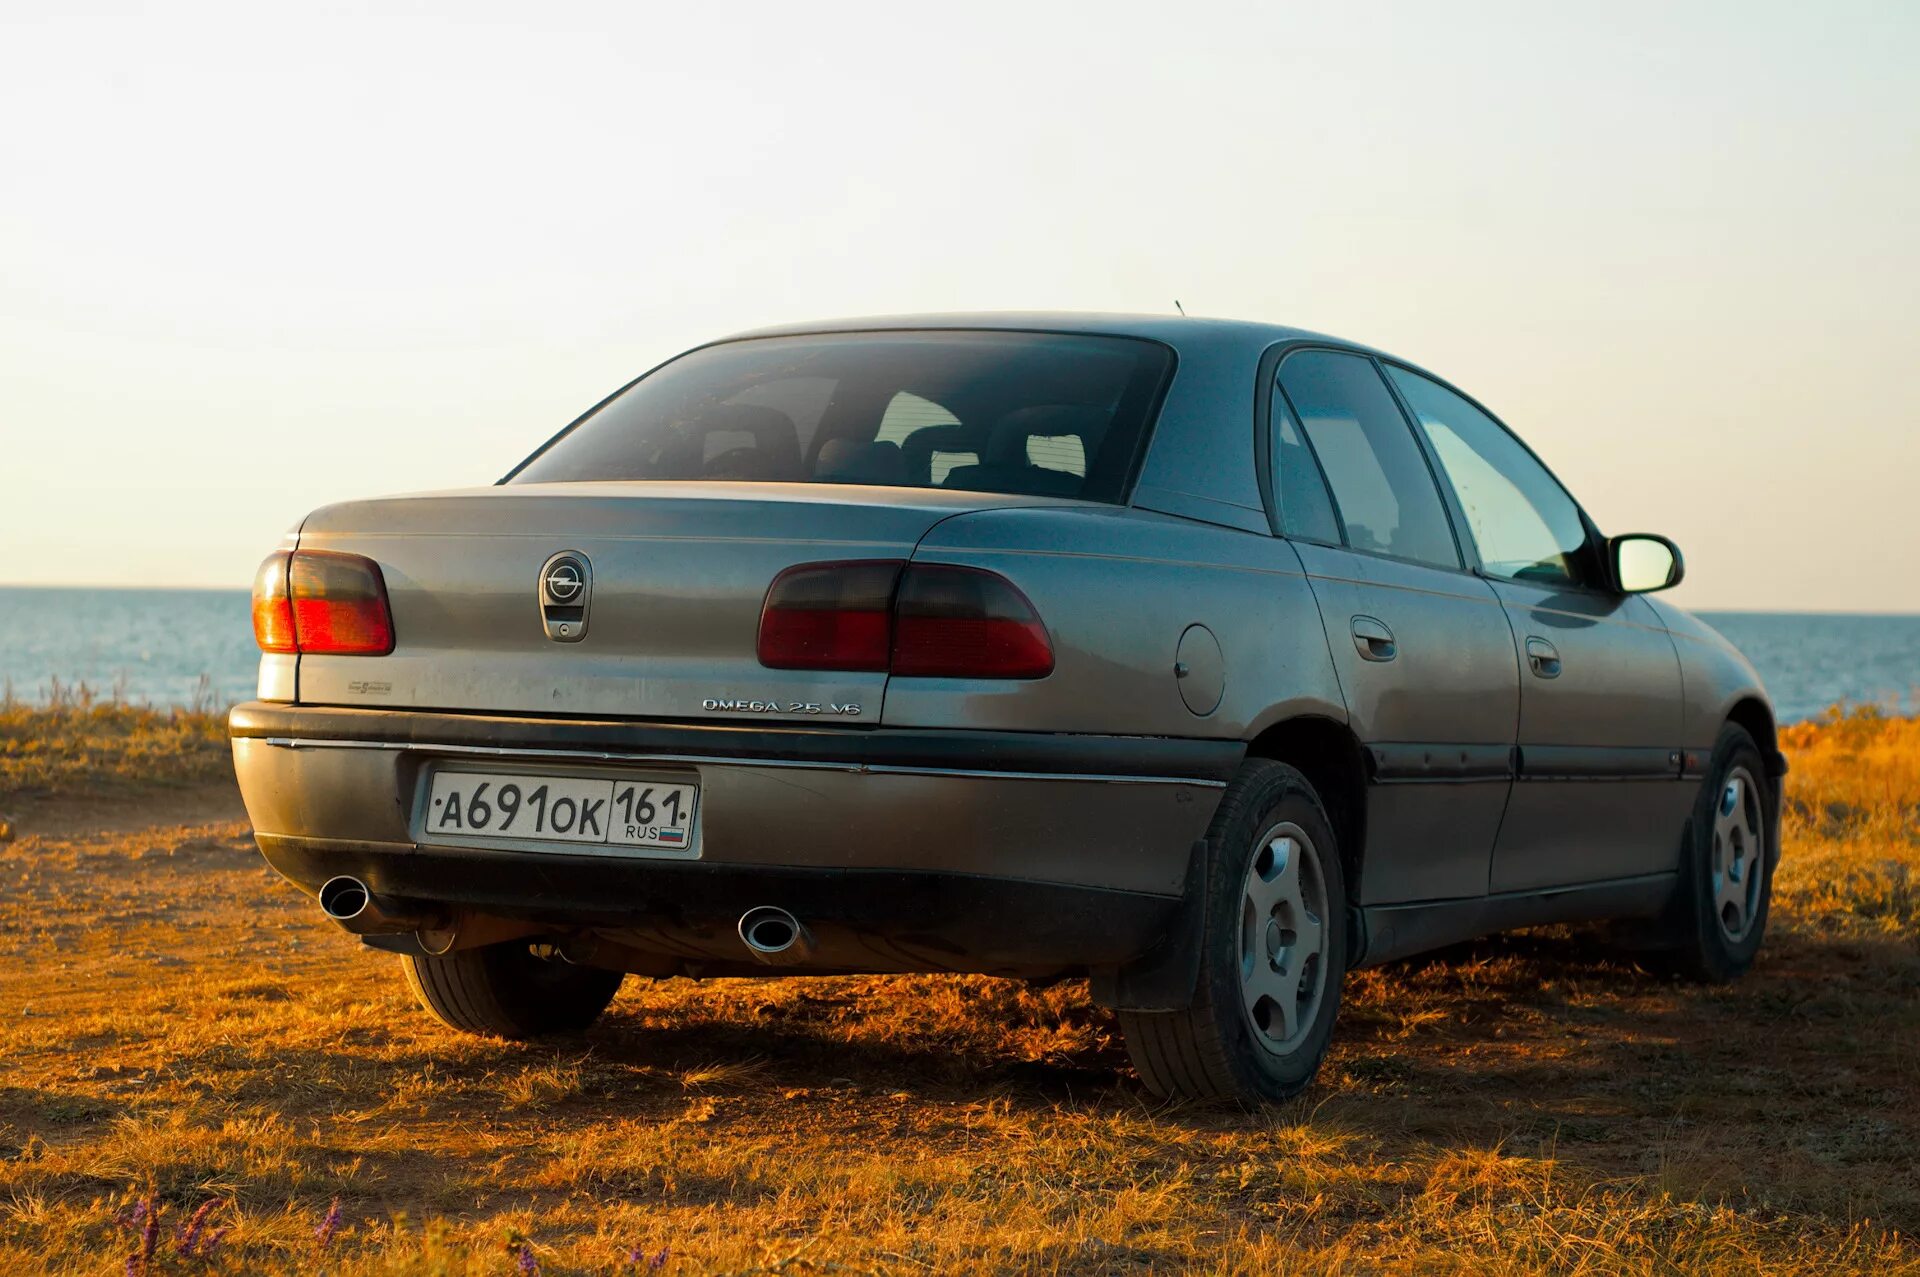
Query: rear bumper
(906, 850)
(863, 920)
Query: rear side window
(1300, 490)
(1031, 413)
(1382, 489)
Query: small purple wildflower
(323, 1235)
(638, 1258)
(528, 1265)
(141, 1261)
(188, 1238)
(659, 1261)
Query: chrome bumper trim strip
(604, 756)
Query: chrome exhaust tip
(774, 936)
(352, 904)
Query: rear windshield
(1032, 413)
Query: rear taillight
(320, 603)
(921, 620)
(829, 616)
(272, 609)
(954, 622)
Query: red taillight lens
(953, 622)
(339, 604)
(272, 609)
(320, 603)
(829, 616)
(928, 621)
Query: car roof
(1179, 331)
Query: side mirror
(1643, 563)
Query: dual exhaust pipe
(770, 933)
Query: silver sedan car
(1205, 660)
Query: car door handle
(1543, 658)
(1373, 639)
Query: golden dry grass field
(198, 1073)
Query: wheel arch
(1756, 717)
(1329, 755)
(1751, 713)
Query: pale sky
(259, 257)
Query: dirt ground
(200, 1074)
(184, 1033)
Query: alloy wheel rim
(1283, 938)
(1739, 848)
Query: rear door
(1423, 651)
(1598, 794)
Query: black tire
(505, 991)
(1209, 1050)
(1701, 945)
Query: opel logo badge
(566, 592)
(563, 582)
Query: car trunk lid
(676, 573)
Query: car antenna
(1182, 309)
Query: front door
(1423, 650)
(1598, 794)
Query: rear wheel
(1726, 873)
(1273, 951)
(509, 991)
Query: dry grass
(1852, 822)
(83, 743)
(181, 1028)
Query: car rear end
(640, 690)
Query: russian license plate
(615, 812)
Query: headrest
(844, 460)
(767, 425)
(776, 444)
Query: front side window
(1523, 523)
(1382, 489)
(1032, 413)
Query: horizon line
(240, 589)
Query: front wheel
(1273, 949)
(509, 991)
(1726, 870)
